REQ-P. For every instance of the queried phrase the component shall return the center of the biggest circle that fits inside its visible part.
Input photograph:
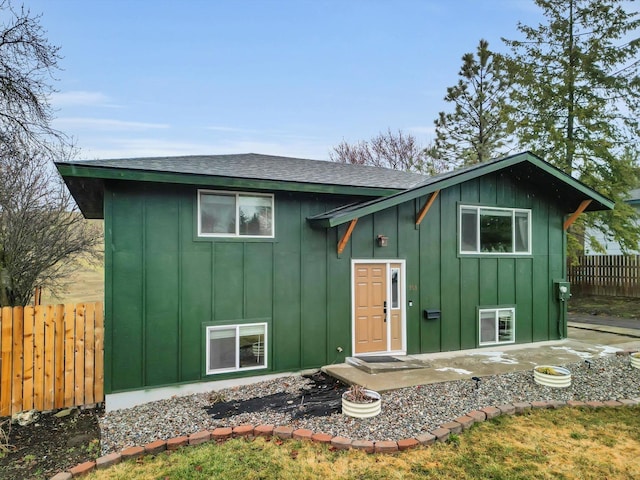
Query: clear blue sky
(283, 77)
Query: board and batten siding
(459, 284)
(164, 285)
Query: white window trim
(237, 367)
(478, 208)
(237, 232)
(403, 303)
(391, 270)
(497, 325)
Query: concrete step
(400, 363)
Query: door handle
(385, 310)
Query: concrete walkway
(604, 320)
(585, 341)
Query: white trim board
(403, 301)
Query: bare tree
(27, 65)
(398, 151)
(41, 233)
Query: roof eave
(70, 170)
(599, 202)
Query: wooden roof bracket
(347, 235)
(574, 216)
(426, 207)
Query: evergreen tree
(577, 95)
(478, 128)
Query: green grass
(567, 443)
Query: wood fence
(611, 275)
(51, 357)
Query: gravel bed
(406, 412)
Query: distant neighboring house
(611, 246)
(223, 268)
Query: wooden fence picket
(79, 355)
(99, 354)
(28, 368)
(49, 337)
(69, 349)
(18, 365)
(89, 354)
(6, 378)
(40, 354)
(58, 380)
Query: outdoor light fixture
(477, 380)
(382, 241)
(588, 362)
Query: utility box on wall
(562, 290)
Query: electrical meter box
(563, 290)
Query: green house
(222, 268)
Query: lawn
(568, 443)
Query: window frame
(398, 288)
(237, 367)
(478, 209)
(237, 196)
(496, 311)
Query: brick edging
(441, 434)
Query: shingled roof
(250, 171)
(266, 167)
(379, 188)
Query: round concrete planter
(635, 359)
(362, 410)
(562, 379)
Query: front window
(497, 325)
(395, 288)
(229, 214)
(495, 230)
(236, 347)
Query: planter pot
(561, 380)
(362, 410)
(635, 359)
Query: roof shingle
(267, 167)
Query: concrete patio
(586, 341)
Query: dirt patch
(624, 307)
(50, 445)
(322, 397)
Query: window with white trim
(495, 230)
(234, 214)
(395, 288)
(236, 347)
(497, 325)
